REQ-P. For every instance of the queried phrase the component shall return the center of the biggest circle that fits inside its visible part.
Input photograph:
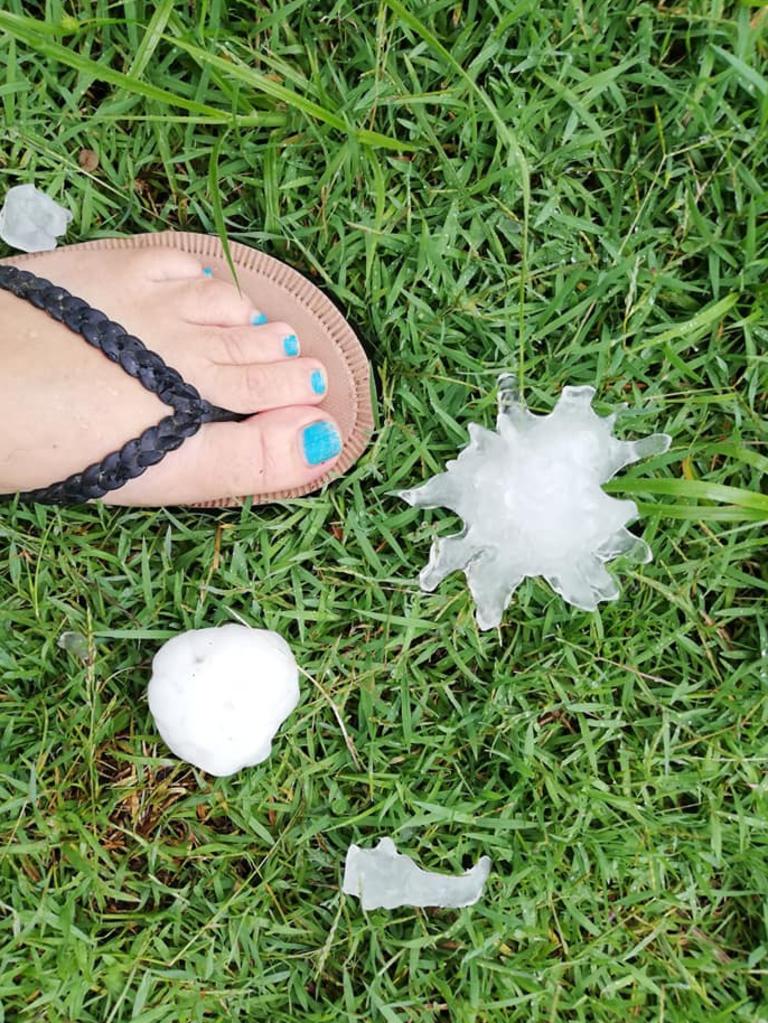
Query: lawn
(574, 192)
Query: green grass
(574, 192)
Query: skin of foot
(66, 406)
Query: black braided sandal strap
(190, 410)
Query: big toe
(271, 454)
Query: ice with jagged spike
(532, 503)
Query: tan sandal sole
(282, 293)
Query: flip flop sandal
(281, 293)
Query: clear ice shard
(30, 220)
(74, 643)
(383, 878)
(531, 499)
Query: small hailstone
(531, 500)
(383, 878)
(74, 643)
(30, 220)
(219, 695)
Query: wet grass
(573, 192)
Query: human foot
(65, 406)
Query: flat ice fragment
(30, 220)
(219, 695)
(383, 878)
(532, 503)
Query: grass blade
(151, 38)
(218, 210)
(746, 455)
(696, 489)
(27, 31)
(250, 76)
(698, 323)
(504, 133)
(700, 513)
(748, 74)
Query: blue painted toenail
(291, 345)
(258, 319)
(318, 382)
(321, 442)
(208, 271)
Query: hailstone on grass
(219, 695)
(383, 878)
(30, 220)
(531, 499)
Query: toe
(257, 387)
(209, 301)
(238, 346)
(164, 265)
(266, 454)
(274, 451)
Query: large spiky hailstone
(531, 499)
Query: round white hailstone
(219, 695)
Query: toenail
(291, 345)
(208, 271)
(318, 382)
(257, 319)
(321, 442)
